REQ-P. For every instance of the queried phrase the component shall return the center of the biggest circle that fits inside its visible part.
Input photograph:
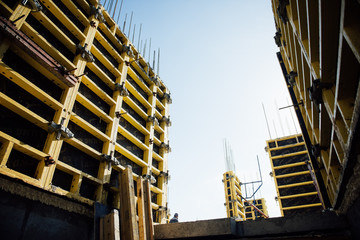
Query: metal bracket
(97, 12)
(85, 53)
(281, 10)
(60, 129)
(162, 208)
(110, 159)
(119, 114)
(166, 175)
(165, 146)
(127, 49)
(150, 177)
(167, 98)
(151, 119)
(121, 87)
(277, 38)
(156, 81)
(315, 92)
(49, 160)
(166, 120)
(291, 78)
(35, 4)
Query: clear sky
(218, 58)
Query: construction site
(85, 120)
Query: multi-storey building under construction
(295, 181)
(78, 104)
(320, 59)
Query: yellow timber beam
(298, 195)
(64, 19)
(23, 111)
(132, 138)
(93, 108)
(109, 66)
(105, 78)
(46, 46)
(98, 91)
(29, 87)
(302, 206)
(290, 165)
(292, 174)
(75, 10)
(57, 32)
(130, 155)
(88, 127)
(296, 184)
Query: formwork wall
(114, 104)
(251, 213)
(233, 201)
(320, 59)
(295, 181)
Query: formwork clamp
(165, 146)
(85, 53)
(35, 4)
(166, 175)
(60, 129)
(150, 177)
(291, 78)
(315, 92)
(167, 98)
(277, 38)
(97, 12)
(121, 87)
(155, 80)
(110, 159)
(152, 119)
(127, 49)
(166, 120)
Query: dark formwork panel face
(26, 219)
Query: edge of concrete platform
(317, 223)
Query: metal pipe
(139, 37)
(130, 22)
(124, 23)
(119, 12)
(133, 34)
(115, 8)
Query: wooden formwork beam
(129, 225)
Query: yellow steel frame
(315, 49)
(63, 107)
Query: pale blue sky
(218, 58)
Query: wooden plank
(129, 225)
(141, 209)
(101, 229)
(148, 211)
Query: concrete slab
(319, 225)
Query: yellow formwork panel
(293, 173)
(321, 59)
(104, 105)
(251, 213)
(233, 202)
